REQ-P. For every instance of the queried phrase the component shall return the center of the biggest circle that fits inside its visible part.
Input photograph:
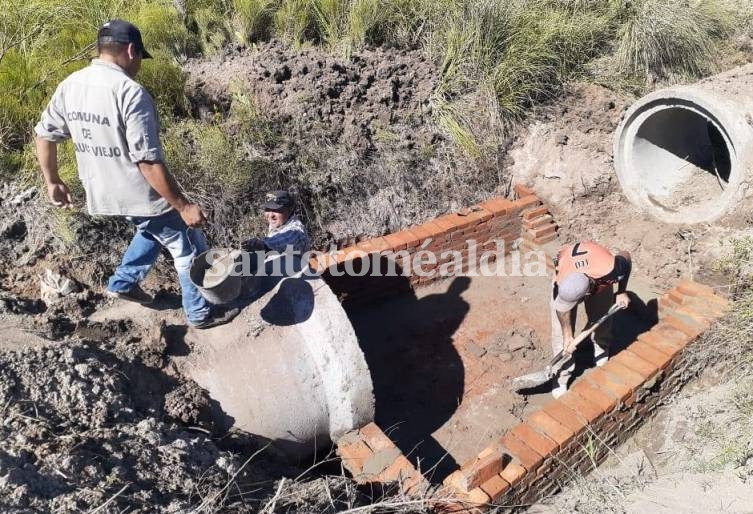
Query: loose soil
(357, 138)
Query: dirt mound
(377, 94)
(357, 137)
(95, 415)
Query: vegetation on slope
(495, 58)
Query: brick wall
(496, 220)
(601, 410)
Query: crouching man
(285, 230)
(585, 273)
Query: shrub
(253, 19)
(660, 39)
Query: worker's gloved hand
(622, 300)
(253, 245)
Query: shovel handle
(583, 335)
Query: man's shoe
(559, 390)
(218, 318)
(601, 358)
(135, 294)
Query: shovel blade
(531, 380)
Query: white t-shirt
(113, 123)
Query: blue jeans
(168, 230)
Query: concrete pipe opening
(683, 154)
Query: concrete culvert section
(684, 154)
(288, 368)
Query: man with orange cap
(586, 272)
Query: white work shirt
(113, 123)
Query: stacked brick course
(372, 458)
(488, 224)
(602, 409)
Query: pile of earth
(358, 137)
(92, 416)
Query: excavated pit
(441, 358)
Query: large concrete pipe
(685, 154)
(288, 369)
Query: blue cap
(121, 31)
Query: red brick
(667, 345)
(375, 438)
(650, 354)
(550, 427)
(711, 305)
(496, 206)
(690, 288)
(566, 416)
(632, 379)
(495, 487)
(521, 204)
(542, 232)
(375, 245)
(407, 238)
(421, 233)
(513, 473)
(671, 334)
(704, 319)
(353, 455)
(539, 222)
(603, 399)
(453, 221)
(479, 470)
(474, 217)
(477, 497)
(636, 363)
(522, 190)
(674, 296)
(400, 469)
(537, 212)
(528, 458)
(546, 239)
(610, 383)
(538, 442)
(584, 407)
(485, 214)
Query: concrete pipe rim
(647, 140)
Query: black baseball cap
(278, 200)
(121, 31)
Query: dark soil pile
(356, 137)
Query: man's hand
(59, 195)
(192, 215)
(569, 345)
(623, 300)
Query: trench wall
(523, 221)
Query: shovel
(559, 361)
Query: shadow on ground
(418, 375)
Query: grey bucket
(217, 288)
